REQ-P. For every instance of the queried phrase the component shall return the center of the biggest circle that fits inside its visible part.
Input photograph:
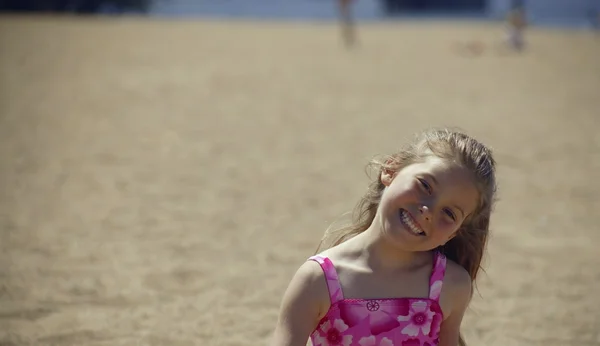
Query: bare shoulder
(311, 277)
(304, 303)
(309, 285)
(456, 294)
(457, 277)
(457, 284)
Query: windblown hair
(468, 246)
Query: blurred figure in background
(347, 22)
(516, 23)
(594, 17)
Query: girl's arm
(458, 288)
(304, 303)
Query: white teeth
(411, 225)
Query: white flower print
(367, 341)
(370, 341)
(333, 335)
(419, 317)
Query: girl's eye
(450, 213)
(425, 185)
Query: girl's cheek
(444, 223)
(448, 227)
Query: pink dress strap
(333, 284)
(437, 276)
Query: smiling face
(424, 204)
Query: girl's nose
(424, 210)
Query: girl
(402, 273)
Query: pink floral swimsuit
(380, 322)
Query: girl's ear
(386, 177)
(387, 174)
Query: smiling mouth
(410, 224)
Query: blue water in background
(317, 10)
(312, 10)
(264, 9)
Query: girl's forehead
(439, 166)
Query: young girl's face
(424, 204)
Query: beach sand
(161, 180)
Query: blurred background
(166, 166)
(574, 12)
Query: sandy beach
(161, 180)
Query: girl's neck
(380, 255)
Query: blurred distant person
(594, 17)
(516, 22)
(347, 22)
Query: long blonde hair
(468, 246)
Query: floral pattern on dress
(333, 334)
(418, 319)
(372, 341)
(380, 322)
